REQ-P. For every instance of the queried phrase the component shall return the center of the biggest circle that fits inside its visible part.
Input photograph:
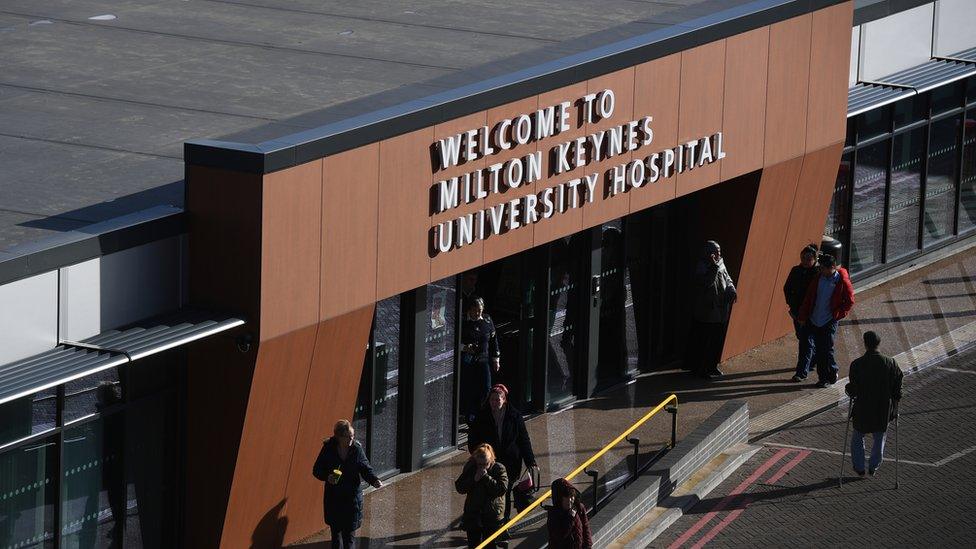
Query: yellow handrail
(581, 468)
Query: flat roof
(97, 97)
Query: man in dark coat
(875, 388)
(341, 464)
(714, 294)
(500, 424)
(829, 299)
(794, 291)
(480, 355)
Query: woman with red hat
(569, 528)
(500, 424)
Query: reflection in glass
(912, 109)
(81, 395)
(873, 123)
(386, 378)
(92, 496)
(27, 416)
(947, 97)
(27, 495)
(906, 193)
(618, 327)
(940, 187)
(967, 201)
(439, 377)
(564, 291)
(836, 226)
(867, 228)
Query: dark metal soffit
(69, 361)
(939, 71)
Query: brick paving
(803, 507)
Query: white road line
(836, 453)
(955, 370)
(955, 456)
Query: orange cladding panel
(830, 56)
(700, 111)
(403, 260)
(656, 94)
(744, 115)
(786, 91)
(756, 283)
(810, 205)
(330, 395)
(608, 206)
(290, 249)
(350, 191)
(253, 516)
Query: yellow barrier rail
(672, 398)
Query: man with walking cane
(875, 389)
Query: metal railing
(672, 409)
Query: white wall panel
(28, 317)
(80, 300)
(896, 42)
(855, 51)
(955, 26)
(139, 282)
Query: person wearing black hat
(714, 294)
(500, 424)
(568, 525)
(875, 387)
(829, 299)
(795, 290)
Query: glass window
(867, 228)
(27, 495)
(386, 380)
(971, 90)
(940, 186)
(92, 484)
(873, 123)
(912, 109)
(851, 126)
(563, 321)
(967, 206)
(151, 482)
(906, 193)
(840, 207)
(28, 416)
(945, 98)
(439, 365)
(91, 394)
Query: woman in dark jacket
(341, 464)
(483, 481)
(500, 424)
(569, 528)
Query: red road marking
(729, 498)
(748, 500)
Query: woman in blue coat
(342, 465)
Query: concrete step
(684, 497)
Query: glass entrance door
(566, 292)
(618, 355)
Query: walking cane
(897, 436)
(843, 453)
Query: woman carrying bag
(483, 481)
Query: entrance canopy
(73, 360)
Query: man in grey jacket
(713, 299)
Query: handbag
(525, 489)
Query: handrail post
(593, 475)
(636, 442)
(673, 410)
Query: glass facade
(94, 462)
(906, 179)
(440, 366)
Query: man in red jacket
(829, 298)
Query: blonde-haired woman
(341, 464)
(483, 481)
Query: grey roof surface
(98, 96)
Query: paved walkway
(787, 494)
(422, 510)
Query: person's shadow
(270, 531)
